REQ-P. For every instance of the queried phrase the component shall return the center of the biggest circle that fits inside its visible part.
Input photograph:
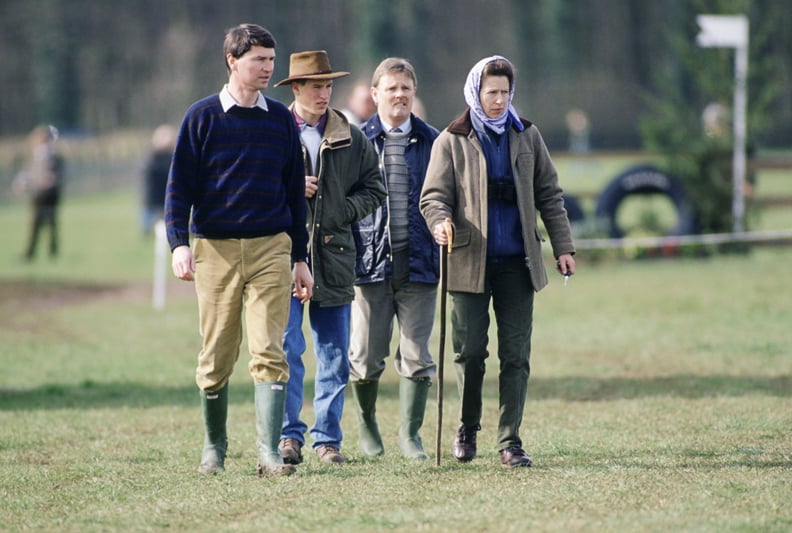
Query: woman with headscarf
(489, 174)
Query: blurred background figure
(360, 106)
(715, 120)
(577, 123)
(715, 170)
(42, 180)
(155, 176)
(418, 108)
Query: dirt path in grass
(21, 297)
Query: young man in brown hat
(342, 185)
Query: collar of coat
(373, 128)
(463, 126)
(337, 133)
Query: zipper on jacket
(381, 156)
(315, 199)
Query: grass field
(660, 400)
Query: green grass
(660, 399)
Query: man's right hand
(311, 186)
(303, 281)
(183, 263)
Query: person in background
(237, 185)
(342, 185)
(488, 176)
(155, 176)
(42, 180)
(419, 110)
(360, 106)
(579, 128)
(397, 266)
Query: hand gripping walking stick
(444, 252)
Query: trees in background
(688, 117)
(100, 66)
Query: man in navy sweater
(237, 185)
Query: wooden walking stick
(444, 252)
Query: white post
(731, 31)
(160, 249)
(740, 105)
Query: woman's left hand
(566, 264)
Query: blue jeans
(330, 331)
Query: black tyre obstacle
(645, 179)
(574, 211)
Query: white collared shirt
(405, 126)
(311, 139)
(228, 101)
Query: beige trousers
(236, 275)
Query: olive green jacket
(349, 188)
(456, 188)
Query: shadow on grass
(674, 458)
(93, 395)
(682, 386)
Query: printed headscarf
(472, 88)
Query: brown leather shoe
(514, 456)
(291, 451)
(464, 449)
(330, 455)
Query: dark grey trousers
(508, 287)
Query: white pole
(740, 105)
(731, 31)
(160, 249)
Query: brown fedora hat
(312, 65)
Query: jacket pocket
(461, 239)
(338, 264)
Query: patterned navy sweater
(239, 173)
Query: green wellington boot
(215, 412)
(412, 400)
(270, 402)
(369, 440)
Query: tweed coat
(456, 188)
